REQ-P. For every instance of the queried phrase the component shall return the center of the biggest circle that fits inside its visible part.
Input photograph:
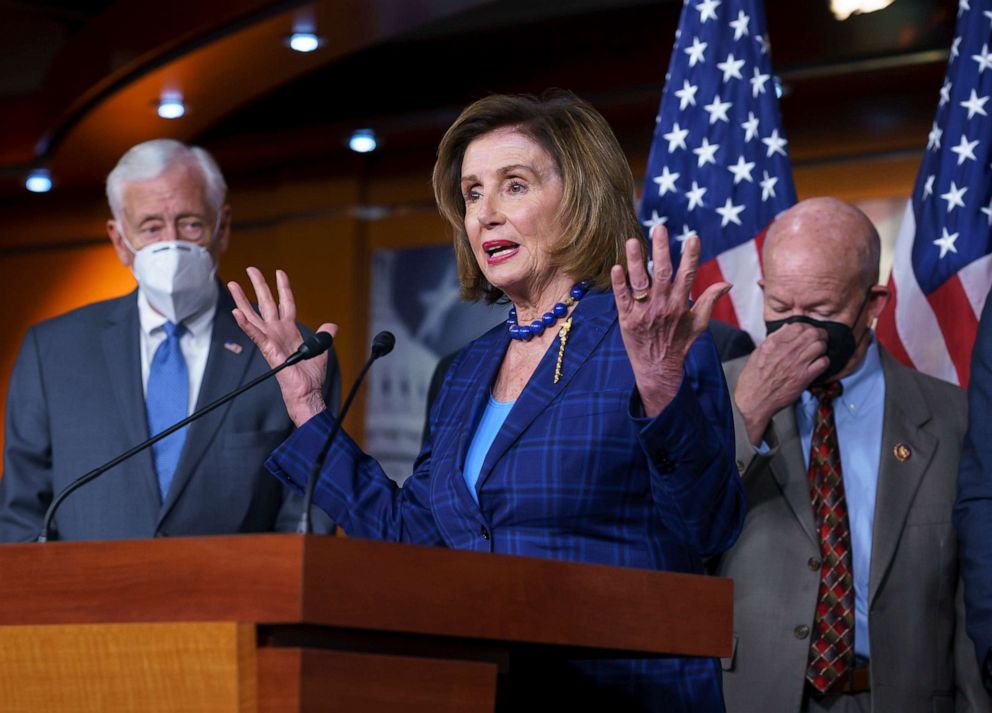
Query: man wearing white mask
(90, 384)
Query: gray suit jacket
(921, 660)
(76, 401)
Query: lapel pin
(902, 452)
(233, 347)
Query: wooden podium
(272, 623)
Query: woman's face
(512, 192)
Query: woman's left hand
(656, 322)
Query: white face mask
(176, 277)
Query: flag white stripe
(740, 267)
(916, 322)
(976, 278)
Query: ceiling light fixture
(39, 180)
(843, 9)
(171, 106)
(304, 41)
(363, 141)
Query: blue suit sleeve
(690, 452)
(354, 490)
(973, 509)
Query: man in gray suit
(846, 593)
(90, 384)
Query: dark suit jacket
(76, 401)
(572, 475)
(973, 510)
(921, 661)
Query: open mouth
(498, 251)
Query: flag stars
(676, 137)
(706, 153)
(731, 68)
(742, 170)
(686, 233)
(988, 14)
(945, 92)
(984, 59)
(928, 186)
(758, 82)
(975, 104)
(696, 52)
(762, 43)
(775, 143)
(946, 243)
(933, 139)
(954, 48)
(729, 213)
(695, 196)
(750, 127)
(965, 150)
(666, 181)
(717, 110)
(654, 221)
(954, 196)
(686, 95)
(707, 10)
(963, 7)
(740, 25)
(767, 186)
(988, 212)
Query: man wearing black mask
(846, 578)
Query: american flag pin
(902, 452)
(233, 347)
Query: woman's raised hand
(656, 321)
(274, 331)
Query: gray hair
(151, 159)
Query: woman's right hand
(274, 331)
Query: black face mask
(841, 344)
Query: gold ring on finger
(641, 295)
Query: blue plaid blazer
(575, 473)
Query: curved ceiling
(79, 80)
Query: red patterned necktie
(831, 652)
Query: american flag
(942, 269)
(719, 165)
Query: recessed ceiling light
(39, 180)
(171, 107)
(843, 9)
(304, 41)
(363, 141)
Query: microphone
(382, 344)
(313, 345)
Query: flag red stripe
(958, 324)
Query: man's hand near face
(777, 373)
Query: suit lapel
(225, 371)
(592, 318)
(122, 351)
(791, 471)
(906, 412)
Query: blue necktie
(166, 402)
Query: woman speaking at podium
(593, 426)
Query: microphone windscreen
(315, 344)
(382, 344)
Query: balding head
(826, 233)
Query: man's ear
(878, 297)
(124, 254)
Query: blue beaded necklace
(536, 328)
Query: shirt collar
(150, 320)
(859, 385)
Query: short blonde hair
(597, 209)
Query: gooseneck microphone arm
(313, 345)
(382, 344)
